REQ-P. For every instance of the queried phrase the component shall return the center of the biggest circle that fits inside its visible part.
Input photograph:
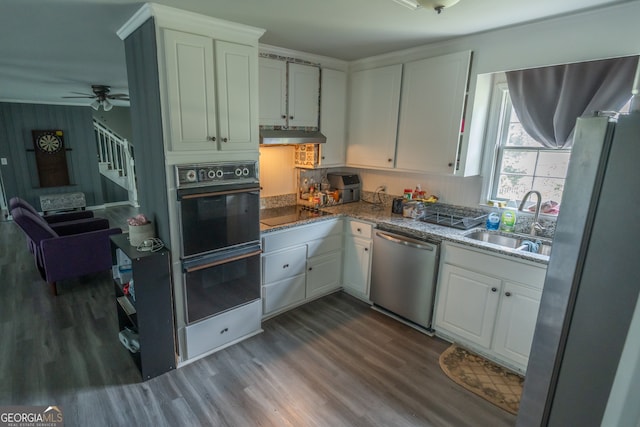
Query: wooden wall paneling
(20, 175)
(146, 123)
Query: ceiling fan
(101, 96)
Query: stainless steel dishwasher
(403, 275)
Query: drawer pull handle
(285, 266)
(359, 230)
(508, 294)
(494, 289)
(224, 330)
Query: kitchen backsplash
(523, 223)
(278, 201)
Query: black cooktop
(279, 216)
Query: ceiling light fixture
(106, 105)
(437, 5)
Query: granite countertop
(383, 219)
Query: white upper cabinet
(333, 116)
(189, 66)
(273, 92)
(289, 94)
(373, 116)
(431, 112)
(304, 91)
(211, 93)
(237, 112)
(416, 128)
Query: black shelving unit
(149, 310)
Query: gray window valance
(548, 100)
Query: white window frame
(497, 130)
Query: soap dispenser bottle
(494, 217)
(509, 217)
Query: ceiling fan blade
(118, 95)
(83, 93)
(87, 96)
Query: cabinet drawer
(219, 330)
(281, 294)
(300, 235)
(323, 246)
(360, 229)
(284, 264)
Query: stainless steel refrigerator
(592, 280)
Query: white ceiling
(51, 48)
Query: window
(523, 164)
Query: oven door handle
(220, 193)
(222, 261)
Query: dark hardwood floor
(332, 362)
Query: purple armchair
(60, 257)
(64, 223)
(17, 202)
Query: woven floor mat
(494, 383)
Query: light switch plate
(3, 161)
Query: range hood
(291, 137)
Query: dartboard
(49, 143)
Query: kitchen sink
(511, 240)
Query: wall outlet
(3, 161)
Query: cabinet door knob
(494, 289)
(290, 117)
(389, 160)
(310, 268)
(508, 294)
(366, 249)
(450, 164)
(283, 117)
(285, 266)
(224, 139)
(359, 230)
(211, 138)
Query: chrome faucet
(535, 225)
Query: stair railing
(117, 153)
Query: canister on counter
(408, 209)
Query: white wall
(277, 171)
(453, 190)
(118, 119)
(599, 34)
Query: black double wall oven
(219, 208)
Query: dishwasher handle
(400, 241)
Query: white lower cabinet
(299, 264)
(323, 274)
(358, 247)
(488, 303)
(516, 322)
(467, 304)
